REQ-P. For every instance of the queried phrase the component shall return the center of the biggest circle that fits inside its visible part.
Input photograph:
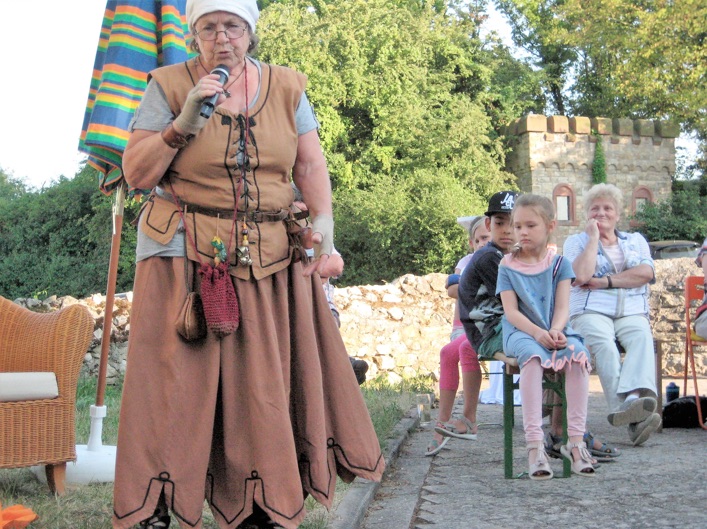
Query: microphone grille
(222, 69)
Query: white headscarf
(246, 9)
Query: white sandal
(540, 470)
(583, 466)
(435, 446)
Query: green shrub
(57, 240)
(599, 164)
(396, 228)
(682, 216)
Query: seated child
(534, 286)
(459, 351)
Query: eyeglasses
(232, 32)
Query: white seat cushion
(27, 386)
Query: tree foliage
(403, 91)
(620, 58)
(10, 188)
(655, 53)
(57, 240)
(535, 28)
(515, 89)
(681, 217)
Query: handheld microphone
(207, 106)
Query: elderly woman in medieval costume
(257, 407)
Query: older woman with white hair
(609, 307)
(257, 408)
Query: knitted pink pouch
(218, 298)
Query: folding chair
(694, 291)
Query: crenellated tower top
(553, 156)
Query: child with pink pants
(459, 352)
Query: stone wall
(554, 155)
(400, 327)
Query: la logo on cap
(508, 201)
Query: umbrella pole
(118, 208)
(98, 412)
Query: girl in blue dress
(534, 285)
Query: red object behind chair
(694, 291)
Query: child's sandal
(449, 430)
(540, 469)
(435, 446)
(582, 466)
(605, 453)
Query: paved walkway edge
(353, 506)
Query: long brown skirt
(266, 415)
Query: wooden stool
(557, 386)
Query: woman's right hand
(592, 229)
(147, 156)
(190, 121)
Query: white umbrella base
(89, 467)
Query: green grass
(85, 397)
(387, 403)
(90, 506)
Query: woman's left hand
(322, 239)
(327, 265)
(334, 266)
(319, 265)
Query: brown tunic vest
(206, 174)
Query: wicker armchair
(42, 432)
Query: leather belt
(253, 216)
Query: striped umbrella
(136, 37)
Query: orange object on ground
(16, 517)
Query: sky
(49, 49)
(46, 78)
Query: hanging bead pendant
(243, 250)
(244, 256)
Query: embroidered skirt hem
(266, 415)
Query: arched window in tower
(563, 198)
(641, 196)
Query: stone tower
(553, 156)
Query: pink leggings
(531, 394)
(458, 351)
